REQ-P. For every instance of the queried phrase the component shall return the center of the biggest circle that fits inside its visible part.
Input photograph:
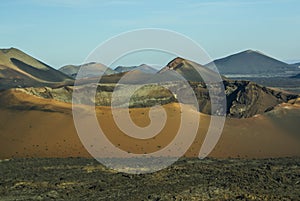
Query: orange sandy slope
(36, 127)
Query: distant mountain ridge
(251, 62)
(92, 69)
(143, 67)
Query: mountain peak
(250, 62)
(249, 51)
(9, 50)
(175, 63)
(190, 71)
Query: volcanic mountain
(91, 70)
(253, 63)
(190, 70)
(143, 67)
(18, 69)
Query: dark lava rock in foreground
(187, 179)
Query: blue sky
(63, 32)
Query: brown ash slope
(38, 127)
(190, 71)
(18, 69)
